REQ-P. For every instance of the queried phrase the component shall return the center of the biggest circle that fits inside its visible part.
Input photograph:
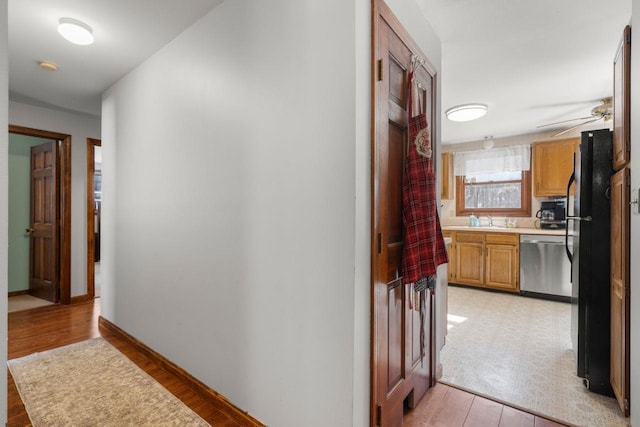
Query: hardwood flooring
(45, 328)
(445, 406)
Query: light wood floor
(45, 328)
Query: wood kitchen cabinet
(469, 258)
(451, 254)
(552, 166)
(446, 192)
(502, 261)
(622, 102)
(488, 260)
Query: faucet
(490, 220)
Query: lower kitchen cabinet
(451, 269)
(488, 260)
(469, 258)
(503, 261)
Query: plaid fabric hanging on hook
(424, 247)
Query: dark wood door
(620, 316)
(402, 364)
(622, 102)
(43, 252)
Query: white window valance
(499, 159)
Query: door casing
(91, 282)
(64, 202)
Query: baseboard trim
(241, 417)
(16, 293)
(80, 298)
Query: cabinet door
(447, 176)
(502, 267)
(552, 166)
(619, 374)
(451, 268)
(622, 101)
(470, 263)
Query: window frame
(525, 202)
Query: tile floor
(518, 350)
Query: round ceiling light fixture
(77, 32)
(466, 112)
(48, 65)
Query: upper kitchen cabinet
(622, 101)
(447, 176)
(552, 166)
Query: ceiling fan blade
(564, 121)
(576, 126)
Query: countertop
(498, 229)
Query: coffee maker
(552, 215)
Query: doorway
(61, 228)
(94, 211)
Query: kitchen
(512, 233)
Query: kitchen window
(494, 182)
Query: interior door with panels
(401, 370)
(43, 231)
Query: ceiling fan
(601, 111)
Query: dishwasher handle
(543, 242)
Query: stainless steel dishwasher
(545, 270)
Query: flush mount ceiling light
(466, 112)
(48, 65)
(75, 31)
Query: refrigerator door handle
(566, 229)
(580, 218)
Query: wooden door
(43, 232)
(620, 290)
(401, 372)
(622, 102)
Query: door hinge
(626, 404)
(379, 415)
(380, 70)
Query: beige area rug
(518, 350)
(92, 384)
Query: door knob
(28, 230)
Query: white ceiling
(531, 62)
(126, 33)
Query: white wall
(362, 296)
(635, 217)
(4, 211)
(80, 127)
(229, 206)
(236, 206)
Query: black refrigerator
(590, 225)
